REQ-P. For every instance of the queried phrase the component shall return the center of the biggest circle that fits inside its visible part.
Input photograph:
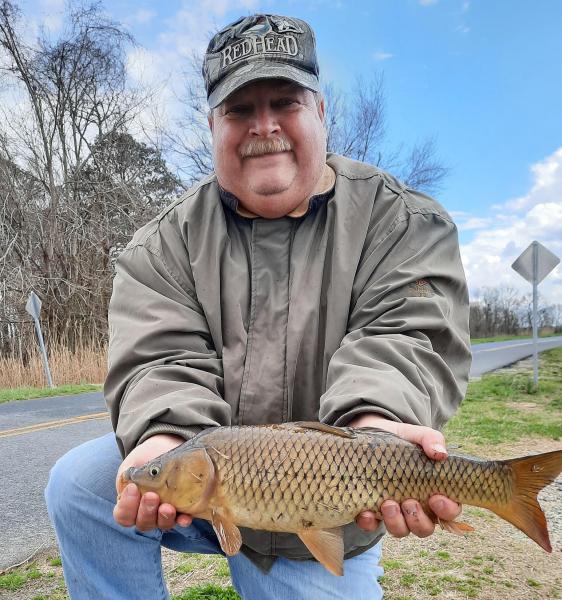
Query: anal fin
(326, 545)
(456, 527)
(228, 534)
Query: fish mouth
(124, 479)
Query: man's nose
(264, 122)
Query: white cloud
(427, 2)
(470, 223)
(462, 28)
(53, 23)
(46, 17)
(51, 5)
(144, 66)
(547, 186)
(164, 65)
(382, 55)
(535, 216)
(465, 6)
(141, 17)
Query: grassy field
(85, 363)
(26, 393)
(500, 418)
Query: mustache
(267, 146)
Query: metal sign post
(33, 307)
(534, 264)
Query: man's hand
(409, 517)
(147, 513)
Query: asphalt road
(26, 460)
(493, 355)
(35, 433)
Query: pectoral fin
(326, 545)
(227, 532)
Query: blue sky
(484, 78)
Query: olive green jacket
(358, 306)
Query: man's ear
(321, 110)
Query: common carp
(310, 479)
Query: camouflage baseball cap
(260, 47)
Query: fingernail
(439, 505)
(439, 449)
(410, 508)
(130, 490)
(390, 511)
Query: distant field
(84, 364)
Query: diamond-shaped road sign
(535, 268)
(33, 306)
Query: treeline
(504, 311)
(79, 173)
(74, 183)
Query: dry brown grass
(87, 364)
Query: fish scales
(310, 479)
(319, 478)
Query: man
(289, 285)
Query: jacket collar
(314, 202)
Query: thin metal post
(43, 353)
(535, 317)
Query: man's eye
(285, 101)
(238, 109)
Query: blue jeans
(102, 560)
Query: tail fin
(530, 475)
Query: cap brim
(254, 72)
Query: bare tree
(186, 141)
(547, 315)
(557, 317)
(356, 127)
(496, 313)
(74, 185)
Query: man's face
(269, 145)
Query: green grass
(197, 562)
(17, 579)
(208, 592)
(505, 408)
(507, 338)
(389, 564)
(450, 574)
(25, 393)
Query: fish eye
(154, 470)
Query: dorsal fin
(346, 433)
(373, 430)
